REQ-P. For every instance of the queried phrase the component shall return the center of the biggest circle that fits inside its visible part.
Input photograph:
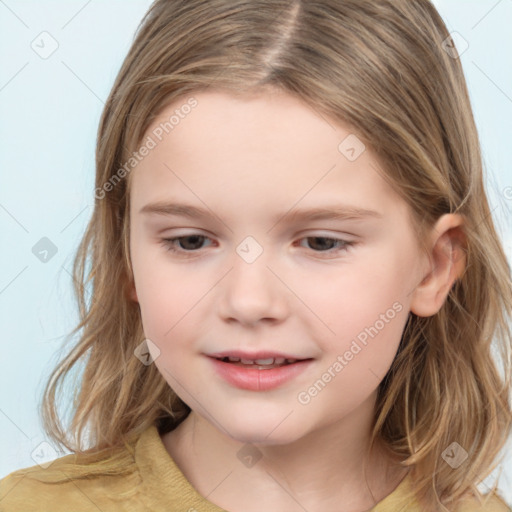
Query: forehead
(259, 121)
(268, 147)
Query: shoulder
(403, 498)
(491, 502)
(65, 485)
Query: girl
(296, 280)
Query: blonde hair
(380, 67)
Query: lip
(262, 354)
(253, 379)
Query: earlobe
(132, 292)
(447, 264)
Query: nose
(252, 292)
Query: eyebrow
(339, 212)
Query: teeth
(268, 361)
(262, 362)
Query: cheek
(365, 305)
(168, 321)
(368, 326)
(156, 291)
(353, 297)
(165, 301)
(170, 304)
(163, 294)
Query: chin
(261, 438)
(269, 430)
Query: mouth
(261, 364)
(261, 372)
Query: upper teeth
(268, 361)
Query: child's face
(262, 280)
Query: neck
(321, 470)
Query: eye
(187, 245)
(325, 244)
(190, 244)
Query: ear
(447, 263)
(132, 292)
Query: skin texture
(250, 161)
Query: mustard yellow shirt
(154, 483)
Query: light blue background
(49, 112)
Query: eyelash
(169, 244)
